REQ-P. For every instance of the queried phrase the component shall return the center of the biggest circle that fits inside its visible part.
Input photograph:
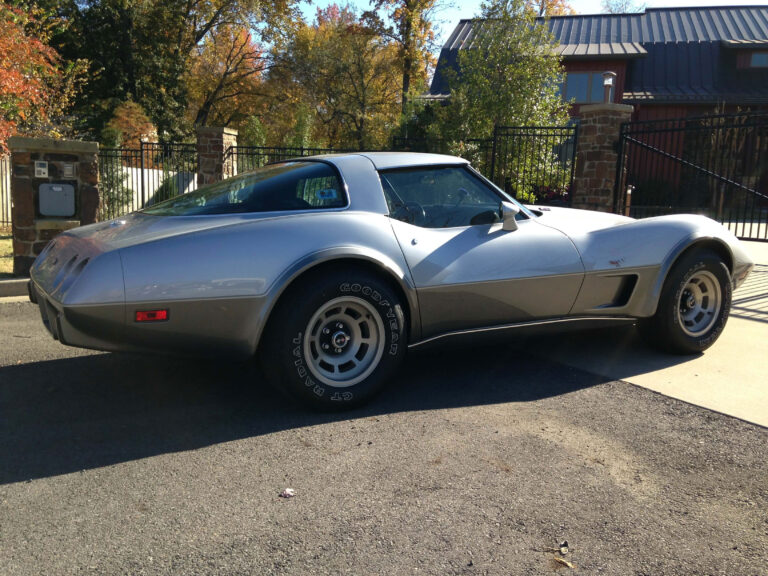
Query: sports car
(329, 268)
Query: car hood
(574, 222)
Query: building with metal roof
(668, 61)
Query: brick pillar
(214, 163)
(68, 163)
(597, 155)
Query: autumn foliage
(225, 77)
(27, 67)
(129, 125)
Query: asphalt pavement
(476, 461)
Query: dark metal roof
(745, 44)
(676, 54)
(602, 50)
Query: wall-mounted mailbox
(57, 200)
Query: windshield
(301, 185)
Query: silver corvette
(329, 268)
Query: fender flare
(688, 243)
(399, 274)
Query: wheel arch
(335, 259)
(684, 248)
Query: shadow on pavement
(67, 415)
(616, 353)
(750, 301)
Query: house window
(759, 60)
(584, 87)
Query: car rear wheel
(693, 307)
(335, 339)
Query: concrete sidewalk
(731, 377)
(13, 287)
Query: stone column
(215, 160)
(72, 163)
(597, 155)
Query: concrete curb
(15, 287)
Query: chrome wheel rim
(344, 341)
(699, 304)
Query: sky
(455, 10)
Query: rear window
(275, 188)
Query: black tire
(335, 340)
(693, 307)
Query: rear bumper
(50, 315)
(31, 291)
(95, 327)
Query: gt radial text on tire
(694, 305)
(335, 339)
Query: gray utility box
(57, 200)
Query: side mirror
(508, 212)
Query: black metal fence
(132, 178)
(712, 165)
(534, 164)
(5, 191)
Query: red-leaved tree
(26, 67)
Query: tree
(35, 86)
(412, 32)
(510, 76)
(342, 73)
(225, 77)
(129, 126)
(145, 51)
(622, 6)
(252, 132)
(545, 8)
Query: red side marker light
(151, 315)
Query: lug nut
(325, 346)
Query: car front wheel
(693, 307)
(336, 339)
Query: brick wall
(69, 162)
(597, 156)
(214, 162)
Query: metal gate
(132, 178)
(711, 165)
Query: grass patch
(6, 255)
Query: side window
(298, 185)
(439, 197)
(583, 87)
